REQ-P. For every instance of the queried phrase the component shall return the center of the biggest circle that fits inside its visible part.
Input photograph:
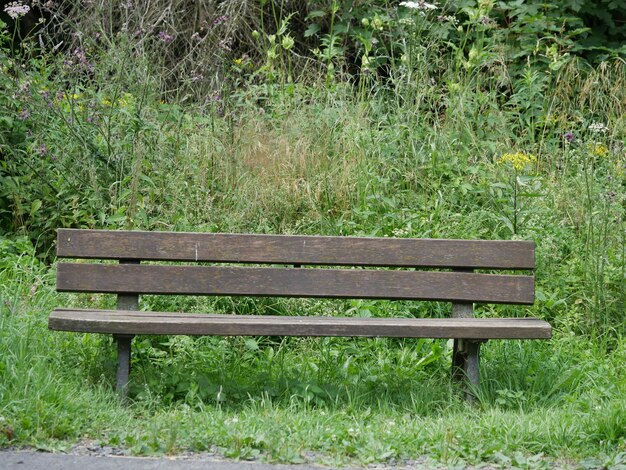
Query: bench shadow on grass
(413, 374)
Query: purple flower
(165, 37)
(219, 20)
(81, 59)
(42, 150)
(78, 60)
(24, 114)
(46, 96)
(569, 137)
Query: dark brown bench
(309, 269)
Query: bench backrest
(446, 265)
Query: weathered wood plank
(130, 322)
(292, 249)
(295, 282)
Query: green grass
(332, 401)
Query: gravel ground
(90, 455)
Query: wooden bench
(312, 266)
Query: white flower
(598, 127)
(419, 5)
(16, 9)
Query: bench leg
(458, 362)
(123, 364)
(466, 365)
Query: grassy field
(441, 145)
(331, 401)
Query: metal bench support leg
(124, 302)
(472, 368)
(123, 364)
(458, 362)
(466, 354)
(466, 365)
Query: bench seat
(135, 323)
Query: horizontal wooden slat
(294, 282)
(290, 249)
(129, 322)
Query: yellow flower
(518, 160)
(598, 150)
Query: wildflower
(419, 5)
(225, 44)
(24, 87)
(45, 94)
(400, 232)
(78, 59)
(569, 137)
(447, 19)
(598, 127)
(42, 150)
(218, 21)
(598, 150)
(518, 160)
(24, 114)
(165, 37)
(16, 10)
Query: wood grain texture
(292, 249)
(295, 282)
(130, 322)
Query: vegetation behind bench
(310, 271)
